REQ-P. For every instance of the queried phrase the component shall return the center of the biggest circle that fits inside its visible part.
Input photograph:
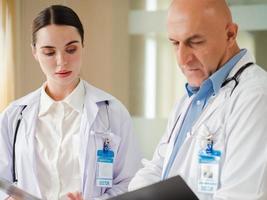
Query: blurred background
(127, 53)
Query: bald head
(204, 36)
(216, 11)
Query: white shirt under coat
(57, 144)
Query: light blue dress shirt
(209, 87)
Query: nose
(61, 59)
(184, 54)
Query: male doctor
(216, 137)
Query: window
(7, 60)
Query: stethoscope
(14, 176)
(163, 146)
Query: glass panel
(246, 2)
(149, 5)
(156, 82)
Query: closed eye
(196, 42)
(71, 50)
(48, 52)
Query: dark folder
(173, 188)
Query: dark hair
(58, 15)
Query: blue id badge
(208, 179)
(105, 159)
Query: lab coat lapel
(28, 130)
(180, 113)
(92, 97)
(225, 92)
(88, 118)
(214, 103)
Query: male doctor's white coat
(94, 123)
(238, 125)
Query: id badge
(208, 179)
(104, 176)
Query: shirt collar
(75, 99)
(45, 101)
(218, 77)
(191, 90)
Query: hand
(9, 198)
(75, 196)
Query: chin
(195, 83)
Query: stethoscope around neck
(163, 146)
(14, 176)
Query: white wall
(149, 132)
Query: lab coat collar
(95, 95)
(248, 57)
(224, 92)
(29, 99)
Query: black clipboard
(174, 188)
(15, 192)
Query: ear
(232, 30)
(34, 53)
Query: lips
(63, 73)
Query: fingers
(75, 196)
(9, 198)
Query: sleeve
(244, 172)
(127, 161)
(5, 152)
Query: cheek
(47, 65)
(209, 60)
(75, 59)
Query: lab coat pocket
(214, 133)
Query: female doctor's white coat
(238, 125)
(92, 132)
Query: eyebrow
(197, 36)
(52, 47)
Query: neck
(59, 92)
(230, 53)
(233, 51)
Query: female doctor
(67, 139)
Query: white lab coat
(238, 123)
(93, 125)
